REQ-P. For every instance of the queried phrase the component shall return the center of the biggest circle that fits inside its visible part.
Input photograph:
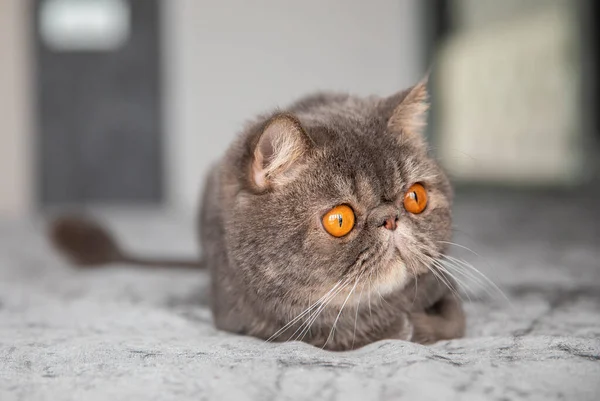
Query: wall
(16, 189)
(226, 61)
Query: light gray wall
(16, 150)
(225, 61)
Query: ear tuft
(281, 145)
(410, 116)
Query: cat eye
(415, 200)
(339, 221)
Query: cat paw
(424, 329)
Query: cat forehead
(378, 162)
(363, 171)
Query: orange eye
(339, 221)
(415, 199)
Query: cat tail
(88, 244)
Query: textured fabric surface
(127, 334)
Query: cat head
(339, 191)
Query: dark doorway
(99, 115)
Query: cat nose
(391, 223)
(384, 216)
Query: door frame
(17, 155)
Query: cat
(323, 223)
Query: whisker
(460, 283)
(460, 246)
(340, 313)
(416, 276)
(472, 268)
(356, 317)
(471, 278)
(305, 327)
(447, 283)
(447, 265)
(307, 310)
(465, 248)
(465, 273)
(313, 317)
(369, 293)
(457, 266)
(429, 261)
(469, 250)
(322, 305)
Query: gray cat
(322, 223)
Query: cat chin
(392, 277)
(388, 279)
(389, 276)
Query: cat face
(338, 192)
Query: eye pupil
(340, 220)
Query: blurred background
(128, 102)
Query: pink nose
(390, 223)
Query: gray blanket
(126, 334)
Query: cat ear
(409, 115)
(278, 150)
